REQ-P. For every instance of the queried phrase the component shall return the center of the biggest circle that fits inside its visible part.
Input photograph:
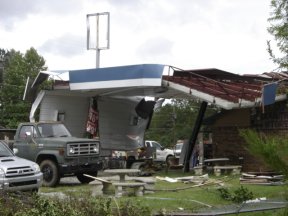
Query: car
(18, 174)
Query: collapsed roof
(218, 87)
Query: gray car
(18, 174)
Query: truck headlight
(71, 150)
(36, 168)
(96, 149)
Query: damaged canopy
(123, 114)
(218, 87)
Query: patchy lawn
(181, 197)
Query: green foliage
(72, 205)
(17, 68)
(129, 208)
(104, 206)
(272, 149)
(174, 121)
(242, 194)
(224, 193)
(43, 207)
(279, 29)
(8, 202)
(165, 201)
(239, 195)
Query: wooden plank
(98, 179)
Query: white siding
(74, 108)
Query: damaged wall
(120, 127)
(72, 110)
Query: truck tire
(130, 160)
(84, 179)
(50, 173)
(169, 159)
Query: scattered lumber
(262, 178)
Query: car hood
(169, 150)
(14, 161)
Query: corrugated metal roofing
(222, 88)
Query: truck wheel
(50, 173)
(84, 179)
(169, 159)
(130, 161)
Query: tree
(279, 29)
(17, 67)
(174, 121)
(4, 54)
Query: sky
(230, 35)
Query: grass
(188, 200)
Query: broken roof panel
(227, 88)
(222, 88)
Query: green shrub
(242, 194)
(73, 205)
(9, 203)
(224, 193)
(129, 208)
(239, 195)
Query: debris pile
(186, 179)
(262, 178)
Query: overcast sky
(190, 34)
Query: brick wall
(228, 143)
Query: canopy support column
(194, 135)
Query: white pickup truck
(18, 174)
(162, 154)
(150, 149)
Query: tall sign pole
(99, 37)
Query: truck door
(160, 154)
(27, 147)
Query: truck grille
(76, 149)
(19, 171)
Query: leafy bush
(129, 208)
(80, 205)
(242, 194)
(239, 195)
(10, 203)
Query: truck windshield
(53, 130)
(156, 145)
(4, 151)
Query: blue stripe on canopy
(116, 73)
